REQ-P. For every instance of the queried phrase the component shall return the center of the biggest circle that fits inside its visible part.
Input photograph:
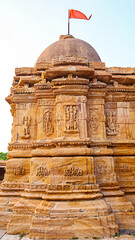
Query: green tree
(3, 156)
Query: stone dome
(68, 46)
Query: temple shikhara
(71, 167)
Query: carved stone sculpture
(71, 118)
(48, 126)
(111, 119)
(26, 124)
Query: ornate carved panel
(71, 118)
(123, 169)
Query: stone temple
(71, 167)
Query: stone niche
(71, 160)
(2, 169)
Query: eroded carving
(103, 170)
(105, 173)
(71, 118)
(64, 60)
(123, 169)
(48, 121)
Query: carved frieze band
(63, 187)
(51, 187)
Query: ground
(5, 236)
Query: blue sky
(27, 27)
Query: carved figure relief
(19, 171)
(42, 171)
(48, 122)
(71, 118)
(26, 124)
(94, 120)
(73, 171)
(111, 120)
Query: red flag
(76, 14)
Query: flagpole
(68, 24)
